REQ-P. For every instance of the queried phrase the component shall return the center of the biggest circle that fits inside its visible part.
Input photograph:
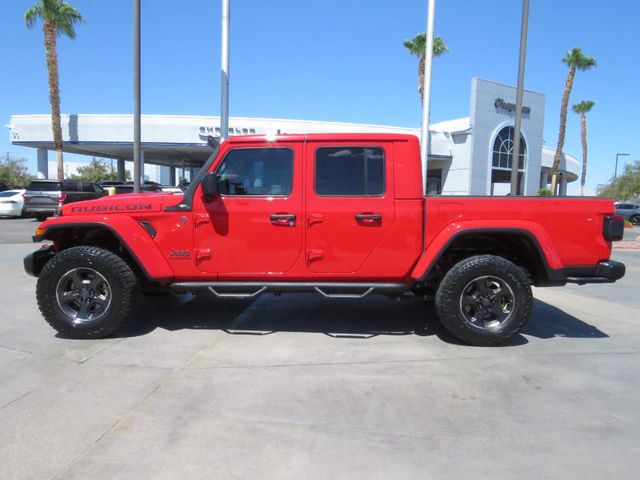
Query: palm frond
(578, 59)
(439, 47)
(32, 14)
(417, 45)
(59, 13)
(583, 107)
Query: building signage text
(500, 104)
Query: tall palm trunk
(421, 78)
(583, 136)
(54, 90)
(563, 128)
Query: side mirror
(210, 186)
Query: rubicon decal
(112, 208)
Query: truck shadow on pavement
(308, 313)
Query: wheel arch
(139, 252)
(518, 245)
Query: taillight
(62, 197)
(613, 228)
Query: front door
(255, 225)
(349, 205)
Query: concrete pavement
(299, 387)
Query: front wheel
(86, 292)
(484, 300)
(635, 220)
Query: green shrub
(544, 192)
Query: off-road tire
(122, 281)
(448, 301)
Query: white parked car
(11, 203)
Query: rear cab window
(350, 171)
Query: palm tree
(583, 108)
(416, 46)
(59, 18)
(576, 60)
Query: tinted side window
(350, 171)
(256, 171)
(71, 186)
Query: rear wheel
(86, 292)
(635, 220)
(484, 300)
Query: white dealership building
(467, 156)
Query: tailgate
(41, 199)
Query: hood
(127, 203)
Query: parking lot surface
(299, 387)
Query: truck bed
(568, 229)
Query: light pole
(137, 145)
(515, 158)
(224, 60)
(426, 94)
(615, 172)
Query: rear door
(255, 225)
(89, 191)
(72, 190)
(349, 205)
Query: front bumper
(35, 261)
(607, 271)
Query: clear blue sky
(339, 60)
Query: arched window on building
(501, 162)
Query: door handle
(368, 217)
(283, 219)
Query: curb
(627, 245)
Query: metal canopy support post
(141, 168)
(121, 170)
(43, 162)
(515, 159)
(137, 145)
(426, 94)
(224, 68)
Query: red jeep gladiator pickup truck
(343, 215)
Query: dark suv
(43, 196)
